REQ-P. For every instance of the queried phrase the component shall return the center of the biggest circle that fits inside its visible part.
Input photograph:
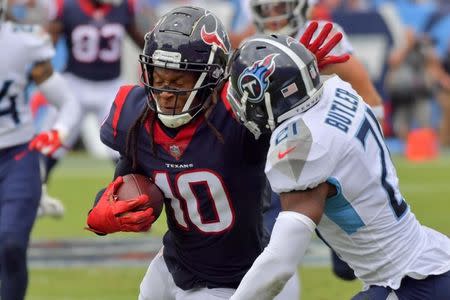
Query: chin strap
(176, 120)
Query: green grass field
(76, 181)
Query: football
(134, 185)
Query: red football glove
(111, 215)
(47, 142)
(321, 53)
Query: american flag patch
(289, 90)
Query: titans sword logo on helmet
(255, 80)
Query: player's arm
(291, 235)
(57, 92)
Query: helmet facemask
(208, 77)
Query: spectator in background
(409, 85)
(444, 99)
(415, 78)
(438, 28)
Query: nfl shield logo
(175, 151)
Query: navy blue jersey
(94, 37)
(214, 189)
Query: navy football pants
(436, 287)
(20, 192)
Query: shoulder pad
(128, 105)
(297, 159)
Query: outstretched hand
(318, 48)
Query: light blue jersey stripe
(340, 211)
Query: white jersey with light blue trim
(344, 46)
(22, 46)
(368, 223)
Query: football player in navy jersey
(94, 31)
(179, 130)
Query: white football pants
(158, 284)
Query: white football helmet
(292, 12)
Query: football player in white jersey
(291, 17)
(329, 163)
(26, 51)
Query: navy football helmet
(272, 79)
(294, 12)
(188, 39)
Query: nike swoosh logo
(281, 155)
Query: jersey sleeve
(297, 159)
(126, 108)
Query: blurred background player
(291, 17)
(332, 169)
(93, 32)
(26, 53)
